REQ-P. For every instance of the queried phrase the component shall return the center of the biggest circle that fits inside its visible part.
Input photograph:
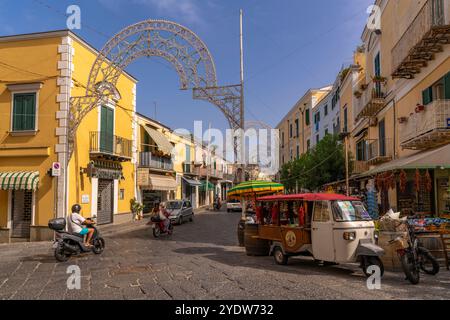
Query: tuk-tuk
(331, 228)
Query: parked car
(180, 211)
(234, 205)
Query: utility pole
(242, 119)
(207, 169)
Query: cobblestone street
(200, 261)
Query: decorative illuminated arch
(181, 47)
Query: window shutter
(17, 113)
(24, 112)
(307, 117)
(427, 96)
(447, 85)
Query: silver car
(180, 211)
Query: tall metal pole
(207, 169)
(242, 119)
(347, 184)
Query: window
(107, 129)
(326, 132)
(282, 140)
(438, 91)
(350, 211)
(317, 139)
(326, 110)
(361, 151)
(345, 129)
(298, 151)
(308, 144)
(290, 130)
(307, 118)
(297, 129)
(121, 194)
(321, 212)
(24, 112)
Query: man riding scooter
(80, 225)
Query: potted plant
(420, 108)
(379, 79)
(137, 209)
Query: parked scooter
(414, 257)
(159, 227)
(70, 244)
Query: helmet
(76, 208)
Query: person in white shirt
(78, 225)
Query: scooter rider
(164, 216)
(79, 225)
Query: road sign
(56, 169)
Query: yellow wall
(79, 185)
(34, 61)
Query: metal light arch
(181, 47)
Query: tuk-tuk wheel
(372, 261)
(280, 257)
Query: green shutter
(107, 129)
(447, 85)
(24, 112)
(427, 96)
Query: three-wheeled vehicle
(331, 228)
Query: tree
(321, 165)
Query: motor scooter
(71, 244)
(159, 227)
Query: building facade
(40, 73)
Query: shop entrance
(22, 210)
(105, 201)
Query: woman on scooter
(164, 216)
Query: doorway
(105, 201)
(22, 211)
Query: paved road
(200, 261)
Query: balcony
(427, 129)
(371, 99)
(360, 167)
(148, 160)
(425, 37)
(109, 147)
(379, 151)
(189, 168)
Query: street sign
(56, 169)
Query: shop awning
(162, 183)
(432, 159)
(192, 182)
(211, 187)
(19, 180)
(160, 139)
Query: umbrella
(253, 189)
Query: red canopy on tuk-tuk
(309, 197)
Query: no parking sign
(56, 169)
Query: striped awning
(254, 189)
(19, 180)
(160, 139)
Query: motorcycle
(70, 244)
(159, 227)
(414, 257)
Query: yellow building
(400, 106)
(39, 73)
(295, 127)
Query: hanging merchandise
(403, 180)
(379, 182)
(428, 181)
(417, 181)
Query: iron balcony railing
(360, 166)
(188, 168)
(148, 160)
(426, 128)
(370, 98)
(107, 144)
(380, 151)
(432, 16)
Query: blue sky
(290, 46)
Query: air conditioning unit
(373, 122)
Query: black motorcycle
(71, 244)
(414, 257)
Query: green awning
(160, 139)
(19, 180)
(211, 187)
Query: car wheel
(280, 257)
